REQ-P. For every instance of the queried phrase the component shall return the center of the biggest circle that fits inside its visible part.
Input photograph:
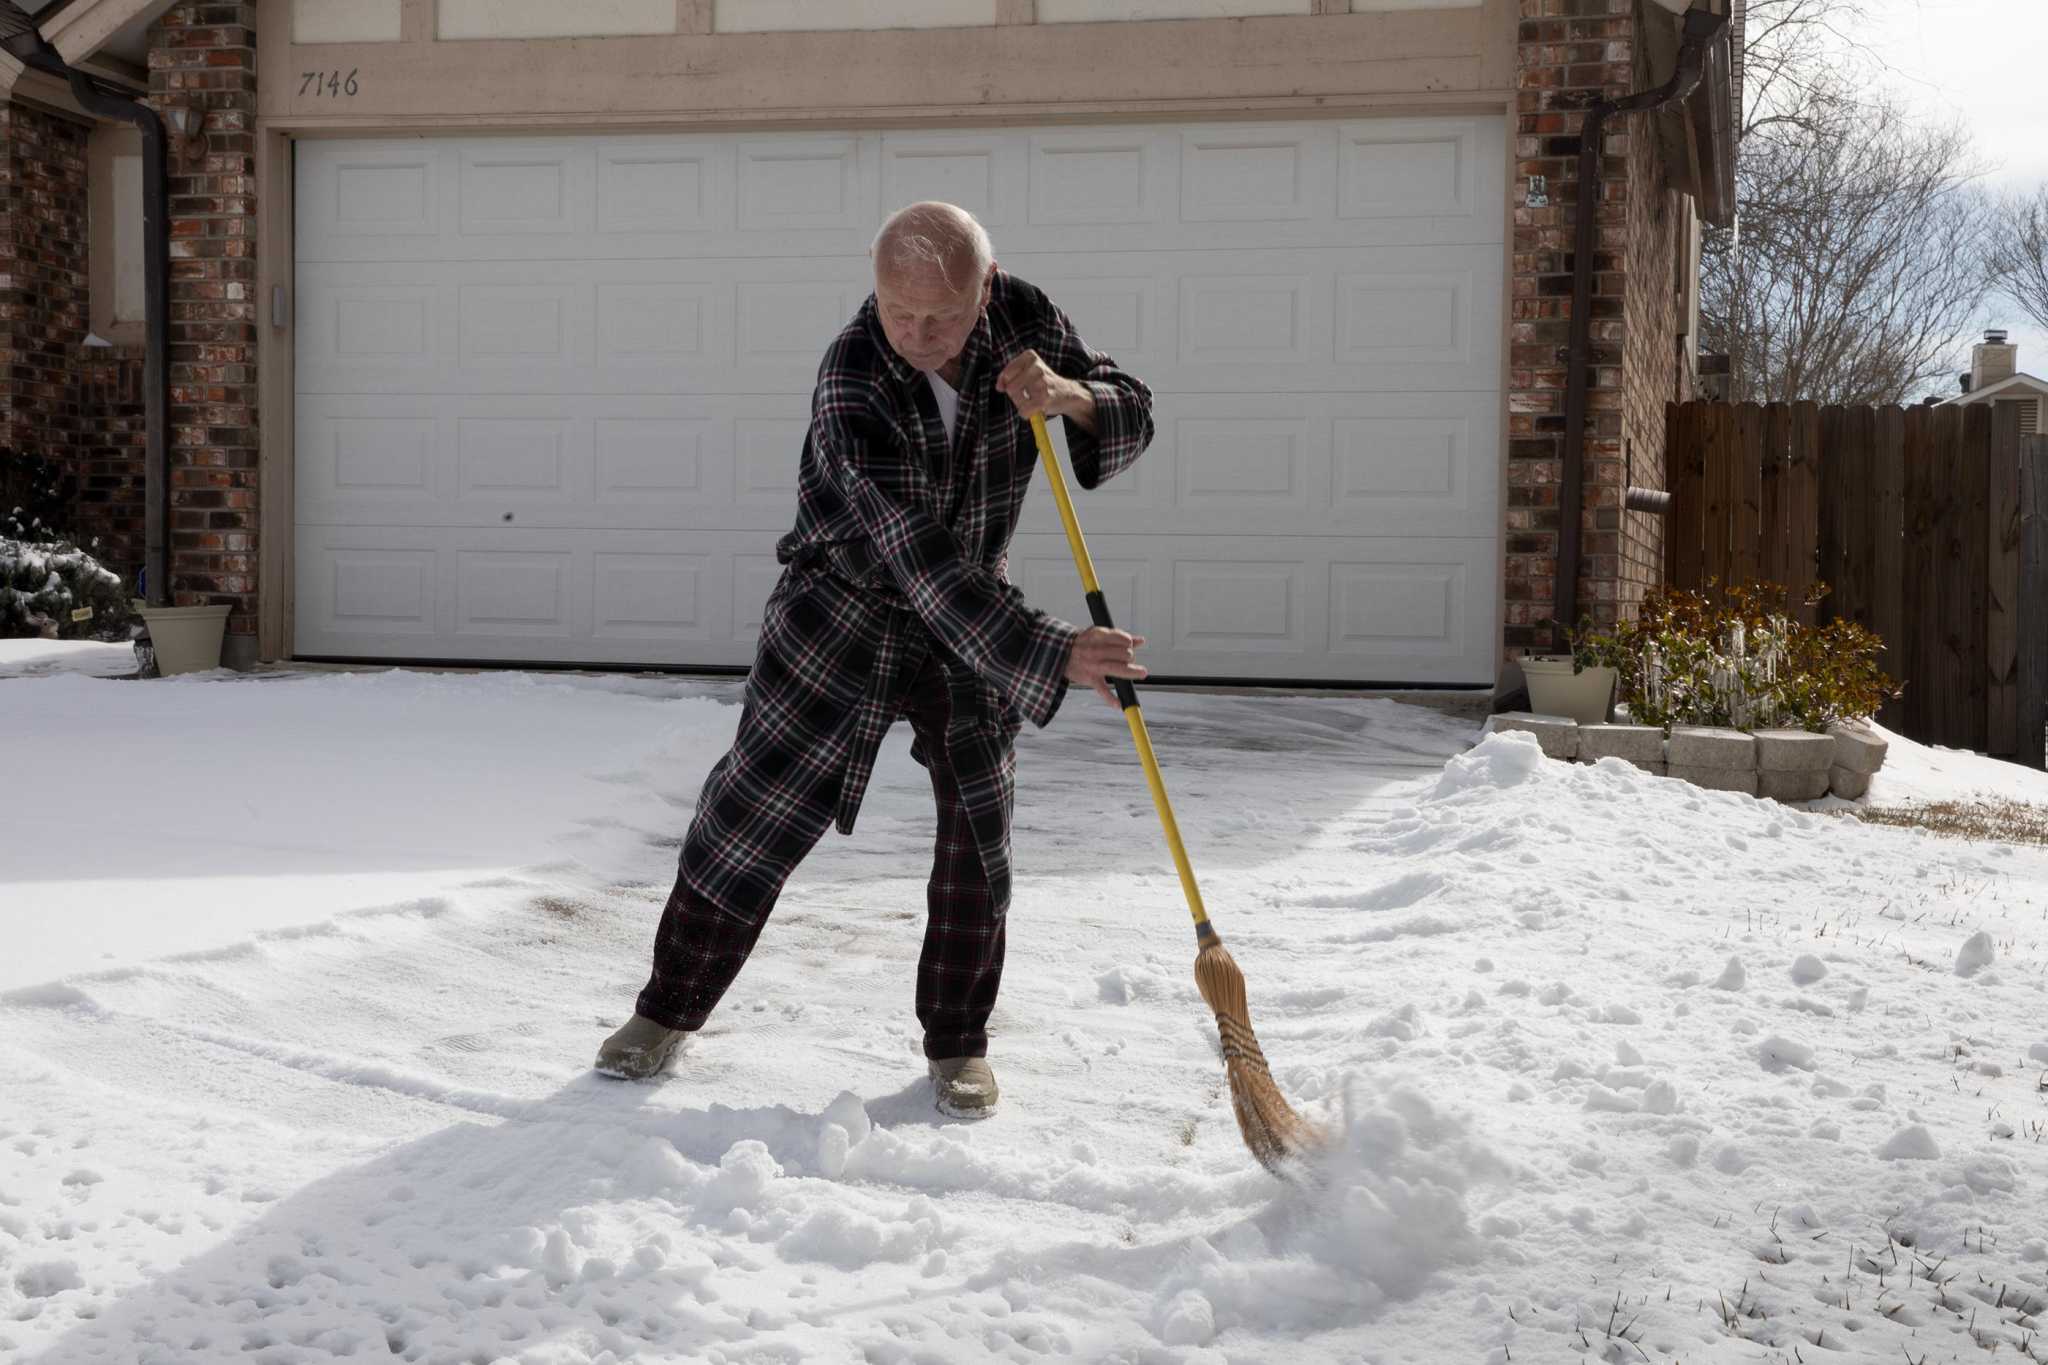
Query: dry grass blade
(2011, 822)
(1276, 1135)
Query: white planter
(186, 639)
(1554, 690)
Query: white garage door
(551, 392)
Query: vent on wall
(2030, 417)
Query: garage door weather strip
(1276, 1135)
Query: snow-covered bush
(42, 586)
(35, 498)
(1736, 657)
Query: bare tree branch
(1860, 259)
(2019, 252)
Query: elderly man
(895, 604)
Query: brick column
(43, 280)
(1572, 54)
(204, 55)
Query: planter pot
(1554, 690)
(185, 639)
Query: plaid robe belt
(899, 551)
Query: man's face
(926, 319)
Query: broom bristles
(1276, 1135)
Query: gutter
(1701, 29)
(22, 40)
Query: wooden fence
(1929, 524)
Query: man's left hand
(1033, 386)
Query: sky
(1981, 61)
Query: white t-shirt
(948, 401)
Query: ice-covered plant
(1738, 657)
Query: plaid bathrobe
(896, 565)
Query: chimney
(1992, 360)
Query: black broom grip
(1098, 612)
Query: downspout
(21, 37)
(1701, 29)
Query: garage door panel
(552, 392)
(657, 459)
(1287, 466)
(1226, 606)
(1409, 319)
(984, 173)
(1199, 321)
(1263, 173)
(1044, 569)
(1250, 186)
(1413, 169)
(1402, 610)
(809, 183)
(663, 188)
(374, 191)
(482, 593)
(670, 596)
(1385, 610)
(370, 590)
(663, 324)
(538, 331)
(502, 593)
(526, 188)
(549, 461)
(1098, 177)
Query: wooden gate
(1929, 524)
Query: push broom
(1272, 1130)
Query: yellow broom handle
(1098, 609)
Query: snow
(95, 659)
(294, 1052)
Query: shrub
(35, 498)
(1736, 657)
(43, 584)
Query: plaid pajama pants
(700, 947)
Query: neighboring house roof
(2018, 386)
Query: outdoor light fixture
(186, 124)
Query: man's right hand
(1101, 653)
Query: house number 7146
(331, 83)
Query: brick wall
(205, 55)
(1653, 374)
(1572, 54)
(12, 295)
(111, 456)
(43, 282)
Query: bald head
(933, 242)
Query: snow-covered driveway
(328, 1099)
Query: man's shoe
(638, 1050)
(964, 1087)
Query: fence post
(1685, 472)
(2002, 590)
(1884, 523)
(1801, 481)
(2032, 701)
